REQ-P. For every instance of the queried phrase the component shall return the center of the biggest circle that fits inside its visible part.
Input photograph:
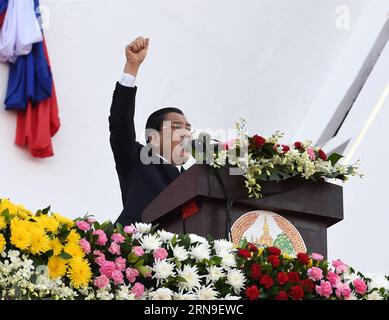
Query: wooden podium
(310, 206)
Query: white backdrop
(267, 61)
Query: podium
(311, 206)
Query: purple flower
(131, 274)
(85, 245)
(120, 263)
(118, 238)
(317, 257)
(160, 254)
(83, 225)
(101, 282)
(138, 289)
(102, 237)
(360, 286)
(114, 249)
(130, 229)
(117, 277)
(325, 289)
(315, 274)
(138, 251)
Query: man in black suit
(144, 171)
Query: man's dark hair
(156, 119)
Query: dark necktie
(182, 170)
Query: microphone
(203, 149)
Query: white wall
(219, 60)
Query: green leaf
(139, 263)
(334, 158)
(132, 258)
(65, 255)
(143, 270)
(46, 210)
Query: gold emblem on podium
(266, 228)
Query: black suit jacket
(139, 183)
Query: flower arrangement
(267, 159)
(273, 275)
(47, 256)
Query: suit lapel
(168, 169)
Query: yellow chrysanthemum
(2, 243)
(57, 267)
(40, 242)
(73, 249)
(23, 213)
(3, 223)
(73, 236)
(49, 223)
(20, 235)
(6, 204)
(56, 246)
(79, 272)
(64, 220)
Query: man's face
(175, 134)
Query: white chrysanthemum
(228, 261)
(230, 297)
(200, 252)
(323, 166)
(223, 246)
(161, 294)
(184, 296)
(206, 293)
(165, 236)
(195, 238)
(214, 274)
(375, 295)
(104, 294)
(163, 269)
(143, 227)
(236, 279)
(124, 293)
(150, 242)
(180, 253)
(377, 281)
(349, 277)
(191, 277)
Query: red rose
(282, 295)
(282, 278)
(322, 155)
(255, 271)
(252, 292)
(307, 285)
(259, 141)
(243, 253)
(252, 247)
(293, 276)
(266, 281)
(274, 260)
(298, 145)
(303, 258)
(285, 148)
(296, 292)
(274, 251)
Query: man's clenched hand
(135, 54)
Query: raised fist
(136, 51)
